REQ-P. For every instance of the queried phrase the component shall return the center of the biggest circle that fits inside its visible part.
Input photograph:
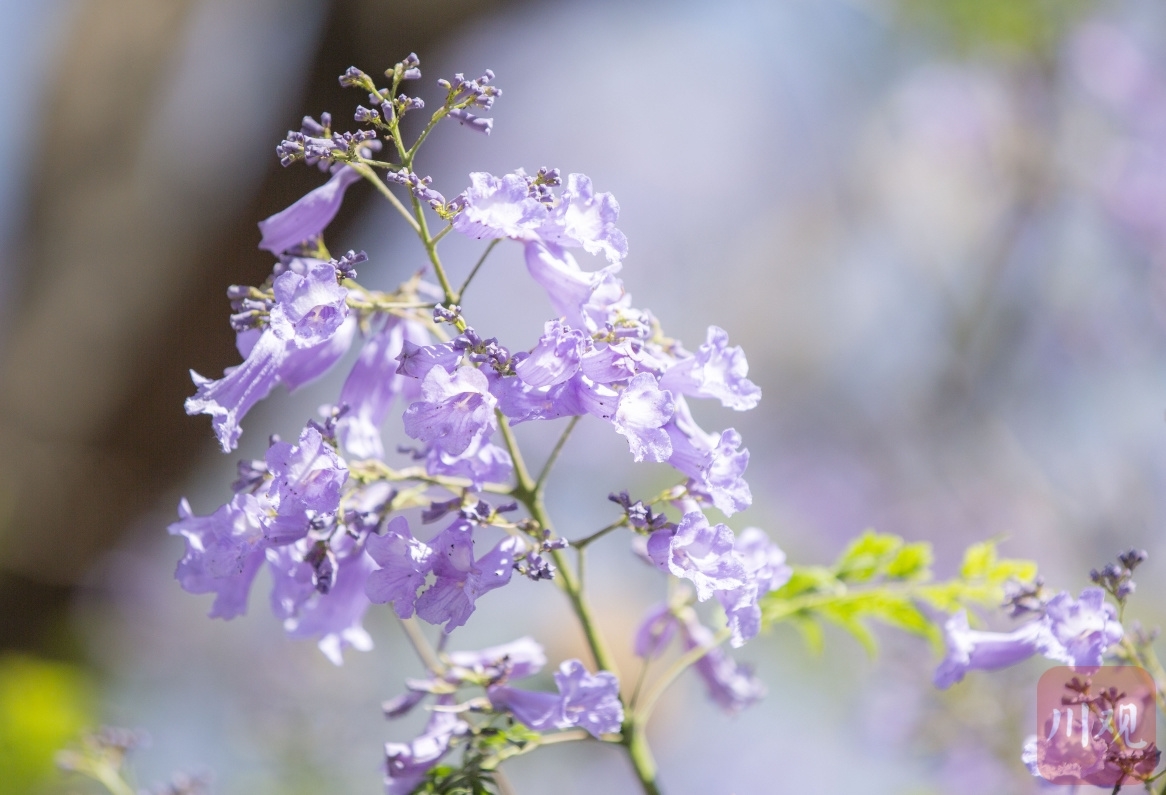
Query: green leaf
(911, 562)
(867, 556)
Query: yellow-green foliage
(880, 577)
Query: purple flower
(373, 384)
(655, 631)
(590, 701)
(416, 359)
(569, 287)
(515, 660)
(716, 371)
(331, 613)
(304, 365)
(1084, 629)
(456, 411)
(474, 122)
(640, 415)
(406, 764)
(698, 552)
(1071, 632)
(495, 207)
(521, 402)
(765, 571)
(556, 357)
(583, 218)
(460, 579)
(715, 464)
(309, 311)
(223, 552)
(308, 216)
(487, 463)
(969, 649)
(733, 687)
(404, 563)
(307, 480)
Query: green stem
(431, 249)
(530, 493)
(641, 757)
(542, 476)
(383, 189)
(679, 666)
(598, 534)
(420, 645)
(462, 291)
(445, 231)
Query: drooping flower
(461, 580)
(1074, 632)
(374, 383)
(715, 464)
(715, 371)
(569, 287)
(308, 216)
(495, 207)
(765, 571)
(732, 686)
(406, 764)
(309, 310)
(307, 480)
(1084, 628)
(455, 413)
(640, 415)
(223, 552)
(556, 357)
(584, 218)
(404, 563)
(700, 552)
(655, 632)
(332, 613)
(590, 701)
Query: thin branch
(554, 456)
(473, 272)
(383, 189)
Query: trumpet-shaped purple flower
(698, 552)
(515, 660)
(495, 207)
(1083, 628)
(732, 686)
(223, 552)
(406, 764)
(640, 415)
(417, 359)
(456, 411)
(569, 287)
(481, 464)
(715, 371)
(404, 563)
(308, 216)
(373, 384)
(584, 218)
(309, 310)
(556, 357)
(590, 701)
(332, 614)
(765, 571)
(655, 631)
(1074, 632)
(969, 649)
(715, 464)
(461, 580)
(309, 307)
(307, 480)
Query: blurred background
(938, 229)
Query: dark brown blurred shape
(122, 283)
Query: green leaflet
(881, 578)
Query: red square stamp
(1096, 725)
